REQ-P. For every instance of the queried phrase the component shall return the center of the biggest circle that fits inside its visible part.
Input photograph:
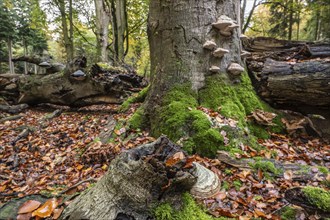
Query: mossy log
(137, 181)
(312, 199)
(74, 86)
(273, 167)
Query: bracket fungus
(235, 69)
(78, 75)
(245, 54)
(214, 69)
(45, 64)
(210, 45)
(219, 52)
(244, 37)
(208, 183)
(225, 25)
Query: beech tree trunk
(177, 31)
(102, 12)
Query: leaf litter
(66, 152)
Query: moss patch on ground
(190, 210)
(318, 196)
(288, 213)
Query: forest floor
(64, 155)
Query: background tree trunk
(102, 12)
(10, 56)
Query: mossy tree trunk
(181, 78)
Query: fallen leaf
(58, 212)
(288, 175)
(46, 209)
(28, 206)
(25, 216)
(175, 159)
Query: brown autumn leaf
(259, 213)
(58, 212)
(220, 196)
(288, 175)
(175, 159)
(28, 206)
(46, 209)
(260, 174)
(25, 216)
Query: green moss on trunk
(178, 118)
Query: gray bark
(177, 31)
(102, 12)
(10, 56)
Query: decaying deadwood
(74, 86)
(292, 75)
(297, 172)
(297, 197)
(137, 180)
(52, 67)
(14, 108)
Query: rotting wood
(299, 172)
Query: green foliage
(288, 213)
(318, 197)
(190, 210)
(225, 185)
(237, 184)
(323, 170)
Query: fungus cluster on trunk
(225, 26)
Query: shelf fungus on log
(210, 45)
(244, 37)
(214, 69)
(208, 183)
(78, 75)
(235, 69)
(45, 64)
(245, 54)
(219, 52)
(225, 25)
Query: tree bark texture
(132, 185)
(102, 12)
(177, 31)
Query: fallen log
(275, 168)
(14, 108)
(49, 65)
(292, 75)
(75, 86)
(313, 200)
